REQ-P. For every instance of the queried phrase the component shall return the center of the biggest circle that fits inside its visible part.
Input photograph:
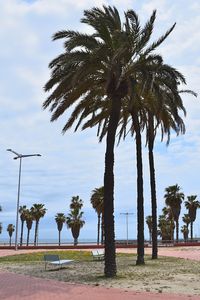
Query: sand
(166, 275)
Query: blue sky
(73, 164)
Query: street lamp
(127, 214)
(20, 156)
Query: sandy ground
(167, 275)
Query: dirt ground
(167, 275)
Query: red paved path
(19, 287)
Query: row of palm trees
(169, 220)
(28, 216)
(114, 80)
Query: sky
(73, 164)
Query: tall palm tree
(74, 219)
(97, 200)
(38, 211)
(22, 210)
(192, 204)
(163, 103)
(173, 199)
(10, 229)
(124, 57)
(149, 224)
(60, 220)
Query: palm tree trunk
(98, 229)
(75, 241)
(140, 197)
(59, 237)
(28, 234)
(177, 230)
(22, 230)
(10, 241)
(191, 230)
(102, 229)
(36, 232)
(153, 188)
(110, 269)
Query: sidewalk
(18, 287)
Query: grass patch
(38, 256)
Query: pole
(20, 156)
(18, 196)
(127, 228)
(127, 214)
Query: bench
(55, 260)
(98, 254)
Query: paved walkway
(19, 287)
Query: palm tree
(29, 222)
(185, 232)
(60, 220)
(163, 103)
(22, 210)
(149, 224)
(167, 213)
(74, 218)
(10, 229)
(192, 204)
(38, 211)
(173, 199)
(186, 219)
(100, 70)
(97, 200)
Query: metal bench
(98, 254)
(55, 260)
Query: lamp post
(127, 214)
(20, 156)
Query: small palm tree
(149, 224)
(22, 210)
(74, 219)
(186, 219)
(192, 204)
(38, 211)
(185, 232)
(10, 229)
(173, 199)
(60, 220)
(97, 201)
(167, 214)
(29, 222)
